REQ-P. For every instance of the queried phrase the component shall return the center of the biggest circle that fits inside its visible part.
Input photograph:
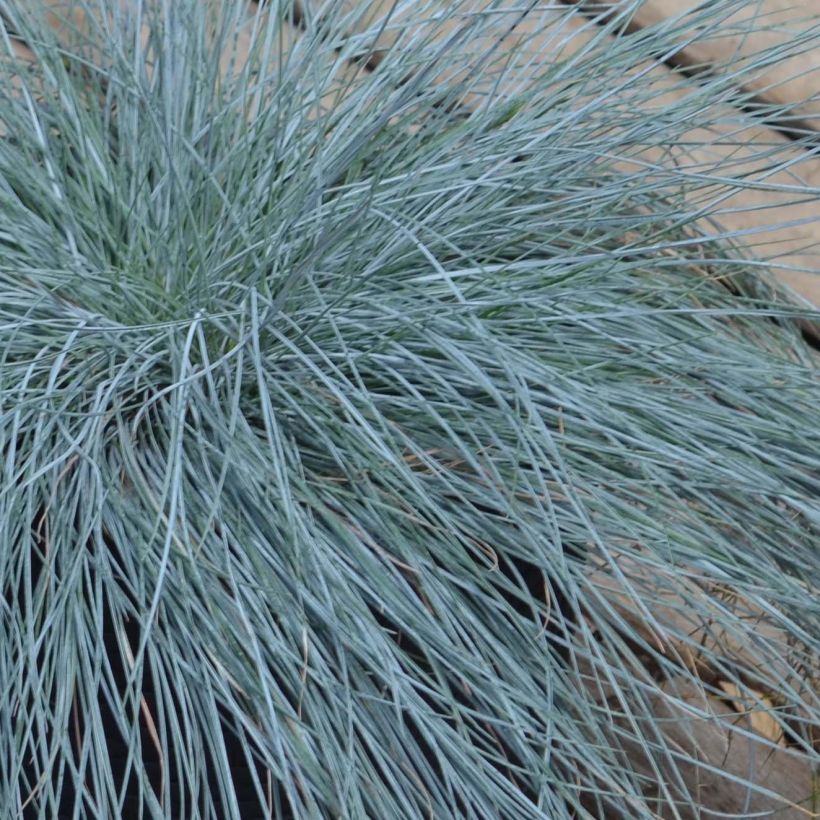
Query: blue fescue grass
(319, 395)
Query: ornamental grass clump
(329, 383)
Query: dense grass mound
(321, 390)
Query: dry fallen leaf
(758, 708)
